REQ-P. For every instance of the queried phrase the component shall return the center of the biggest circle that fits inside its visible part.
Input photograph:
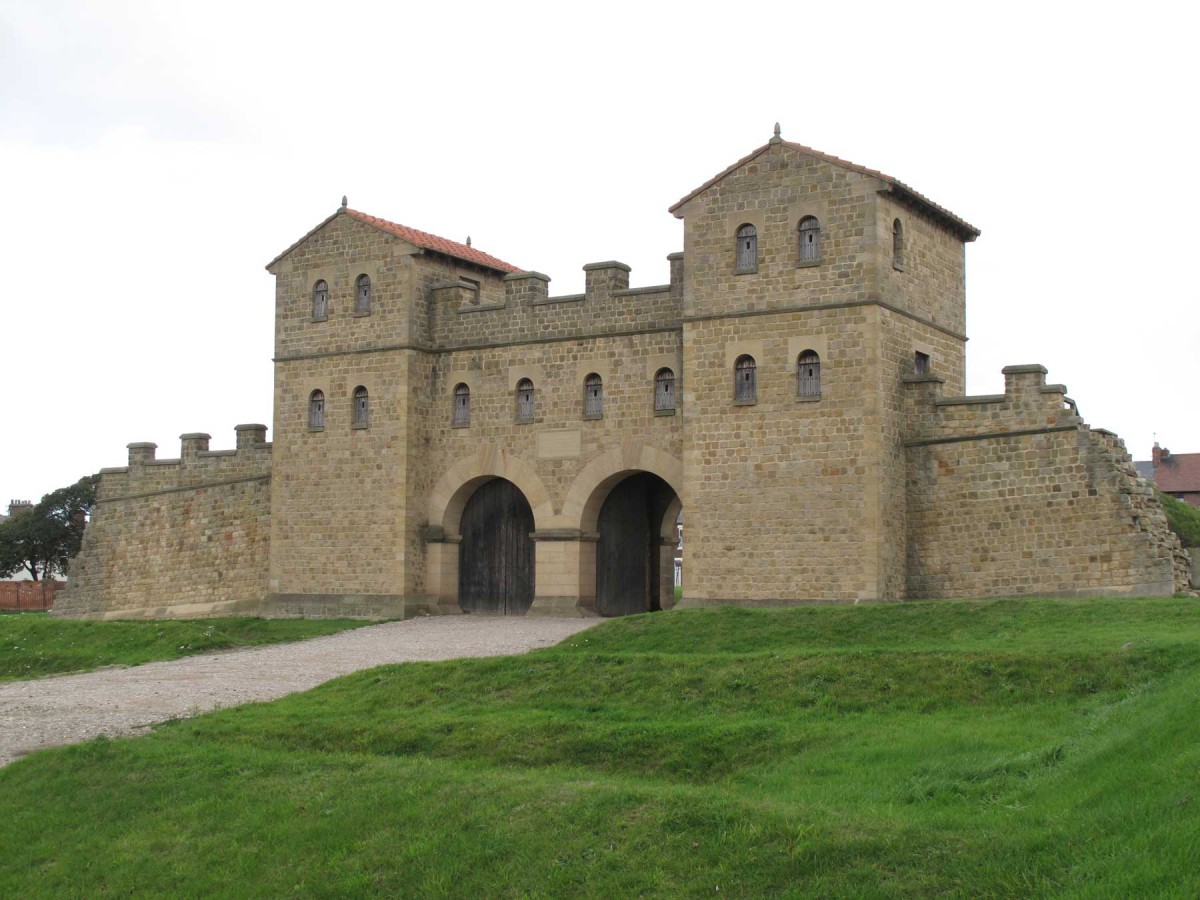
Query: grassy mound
(998, 748)
(33, 645)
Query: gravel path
(118, 701)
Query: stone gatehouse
(449, 436)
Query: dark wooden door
(627, 556)
(495, 564)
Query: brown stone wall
(337, 506)
(1014, 495)
(179, 538)
(931, 279)
(782, 498)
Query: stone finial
(345, 202)
(776, 138)
(468, 240)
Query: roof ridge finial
(776, 139)
(468, 240)
(345, 202)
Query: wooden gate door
(627, 557)
(495, 563)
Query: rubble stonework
(885, 485)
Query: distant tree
(42, 540)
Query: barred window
(362, 408)
(810, 239)
(745, 384)
(921, 363)
(593, 397)
(525, 400)
(747, 248)
(462, 405)
(897, 244)
(362, 294)
(808, 374)
(316, 409)
(664, 390)
(320, 300)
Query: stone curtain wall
(180, 537)
(1012, 494)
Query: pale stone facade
(876, 481)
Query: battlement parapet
(527, 311)
(196, 466)
(1027, 405)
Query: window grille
(524, 400)
(745, 386)
(362, 407)
(320, 300)
(664, 390)
(808, 374)
(362, 294)
(462, 405)
(897, 243)
(921, 363)
(316, 409)
(747, 248)
(810, 239)
(593, 397)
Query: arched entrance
(496, 558)
(630, 574)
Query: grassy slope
(1004, 748)
(33, 645)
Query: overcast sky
(155, 156)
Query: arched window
(593, 397)
(524, 400)
(808, 374)
(897, 244)
(462, 405)
(316, 409)
(747, 249)
(362, 295)
(810, 239)
(320, 300)
(362, 408)
(664, 391)
(745, 384)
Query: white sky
(155, 156)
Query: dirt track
(120, 701)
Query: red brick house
(1177, 474)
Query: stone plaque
(558, 444)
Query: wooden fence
(27, 596)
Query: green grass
(34, 645)
(1007, 748)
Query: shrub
(1183, 518)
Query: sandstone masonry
(796, 388)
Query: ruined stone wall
(1013, 494)
(176, 537)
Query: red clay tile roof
(965, 230)
(1178, 473)
(421, 239)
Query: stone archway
(496, 558)
(449, 499)
(633, 573)
(654, 542)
